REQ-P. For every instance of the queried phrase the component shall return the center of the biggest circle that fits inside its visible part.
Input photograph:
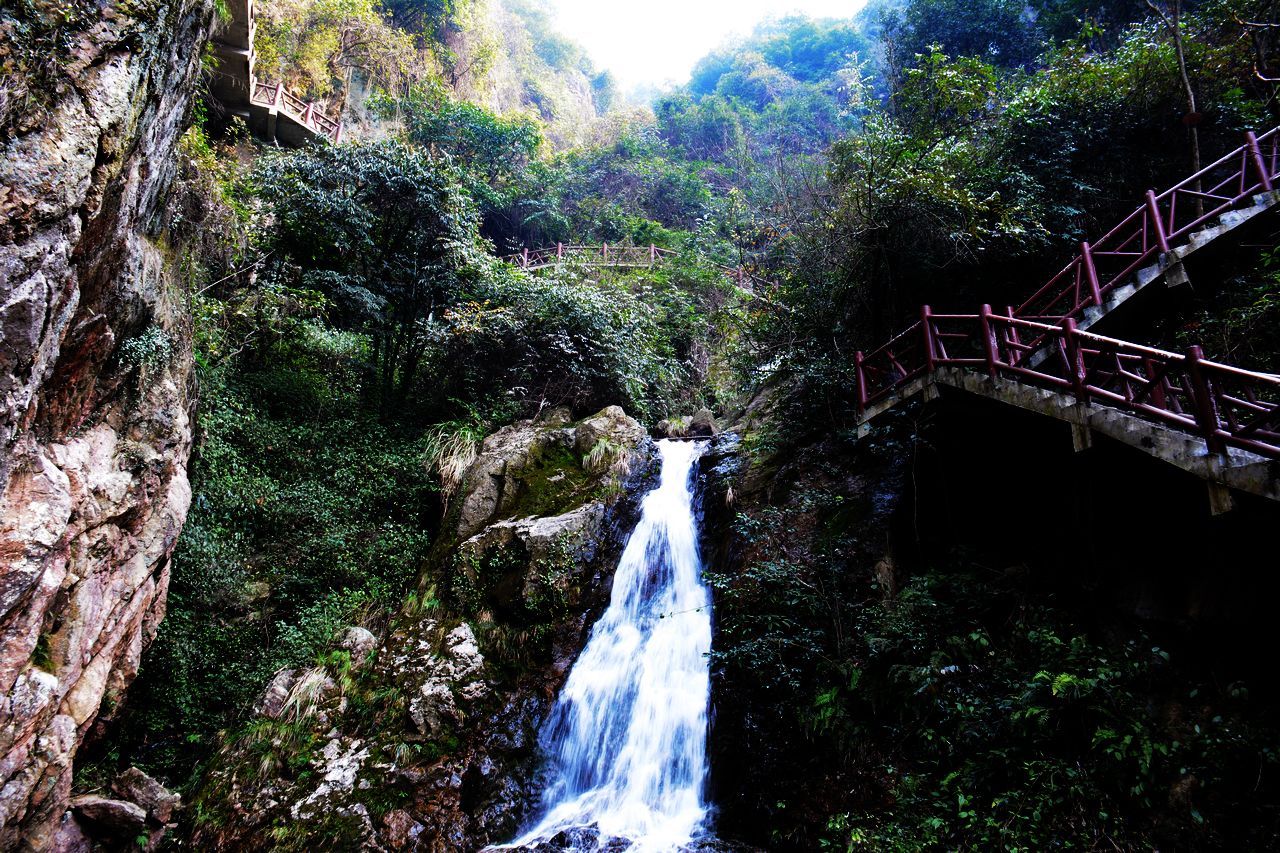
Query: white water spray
(627, 737)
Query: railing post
(1157, 223)
(1157, 395)
(989, 344)
(278, 98)
(926, 325)
(605, 250)
(1015, 351)
(1091, 274)
(1075, 360)
(1202, 399)
(653, 254)
(524, 258)
(860, 380)
(559, 252)
(306, 115)
(1258, 162)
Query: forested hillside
(368, 362)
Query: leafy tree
(558, 340)
(496, 156)
(608, 192)
(1063, 20)
(1000, 31)
(424, 17)
(312, 45)
(711, 129)
(921, 189)
(755, 81)
(604, 91)
(708, 71)
(386, 232)
(811, 51)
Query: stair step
(1120, 294)
(1146, 275)
(1208, 235)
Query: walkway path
(273, 113)
(1217, 421)
(622, 256)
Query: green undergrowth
(1240, 324)
(969, 710)
(308, 515)
(1008, 722)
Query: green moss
(42, 35)
(42, 657)
(552, 482)
(548, 601)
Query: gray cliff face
(96, 386)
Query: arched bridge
(1219, 422)
(271, 110)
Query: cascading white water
(627, 737)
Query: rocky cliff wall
(96, 387)
(510, 77)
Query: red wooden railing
(305, 114)
(1226, 406)
(618, 256)
(1158, 223)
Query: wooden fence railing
(1224, 405)
(621, 256)
(305, 114)
(1160, 222)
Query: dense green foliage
(307, 515)
(968, 710)
(387, 234)
(390, 238)
(355, 340)
(1240, 322)
(313, 47)
(971, 182)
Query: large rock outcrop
(95, 378)
(429, 741)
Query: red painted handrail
(1226, 406)
(1160, 221)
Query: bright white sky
(655, 42)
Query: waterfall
(626, 740)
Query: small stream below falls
(626, 741)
